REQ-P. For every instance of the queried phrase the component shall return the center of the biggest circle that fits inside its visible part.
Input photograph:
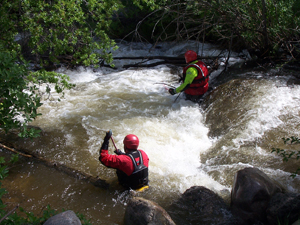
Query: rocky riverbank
(256, 199)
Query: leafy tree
(18, 101)
(128, 17)
(263, 26)
(45, 34)
(20, 98)
(52, 31)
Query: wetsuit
(131, 174)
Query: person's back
(139, 177)
(132, 166)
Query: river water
(188, 145)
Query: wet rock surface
(142, 211)
(199, 205)
(251, 194)
(65, 218)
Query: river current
(188, 145)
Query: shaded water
(187, 145)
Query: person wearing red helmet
(132, 166)
(195, 78)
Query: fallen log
(163, 57)
(179, 61)
(147, 65)
(96, 181)
(14, 151)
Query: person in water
(195, 78)
(131, 166)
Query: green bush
(48, 34)
(264, 26)
(19, 102)
(20, 98)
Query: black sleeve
(104, 145)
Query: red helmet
(131, 141)
(190, 56)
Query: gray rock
(251, 193)
(199, 205)
(64, 218)
(296, 223)
(284, 207)
(141, 211)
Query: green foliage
(263, 26)
(55, 29)
(47, 33)
(83, 219)
(129, 16)
(151, 4)
(8, 30)
(20, 96)
(43, 77)
(19, 102)
(296, 8)
(289, 154)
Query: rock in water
(65, 218)
(251, 193)
(145, 212)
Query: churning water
(187, 145)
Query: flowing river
(188, 145)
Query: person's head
(190, 56)
(131, 142)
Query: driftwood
(14, 151)
(10, 212)
(96, 181)
(161, 57)
(179, 61)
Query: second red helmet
(131, 141)
(190, 56)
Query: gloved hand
(107, 136)
(119, 152)
(106, 140)
(172, 91)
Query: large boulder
(199, 205)
(145, 212)
(284, 208)
(64, 218)
(251, 193)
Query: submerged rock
(284, 208)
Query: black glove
(119, 152)
(107, 136)
(106, 140)
(172, 91)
